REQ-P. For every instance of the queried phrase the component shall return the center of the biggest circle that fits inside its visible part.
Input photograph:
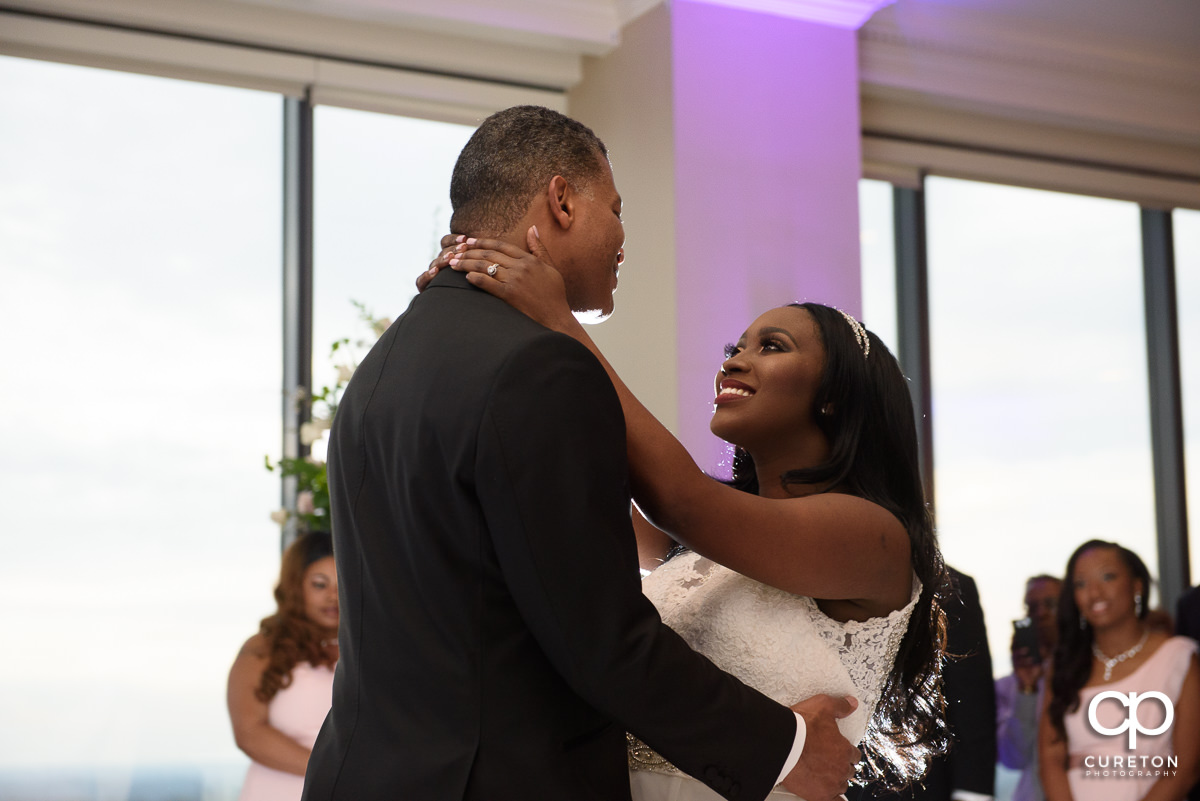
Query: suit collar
(452, 279)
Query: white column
(736, 141)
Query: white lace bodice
(776, 642)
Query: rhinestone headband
(860, 333)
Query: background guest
(281, 683)
(1019, 694)
(1187, 624)
(1105, 645)
(1187, 614)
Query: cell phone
(1025, 639)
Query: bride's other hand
(452, 245)
(527, 281)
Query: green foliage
(311, 478)
(312, 483)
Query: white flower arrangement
(312, 498)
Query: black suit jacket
(1187, 614)
(970, 694)
(495, 643)
(1187, 623)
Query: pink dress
(1103, 767)
(298, 711)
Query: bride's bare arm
(653, 543)
(827, 546)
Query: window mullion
(297, 289)
(1166, 404)
(912, 318)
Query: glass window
(382, 206)
(877, 232)
(140, 249)
(1187, 287)
(1041, 416)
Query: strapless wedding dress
(780, 644)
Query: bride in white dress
(769, 633)
(816, 569)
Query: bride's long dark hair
(873, 454)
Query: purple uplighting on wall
(767, 162)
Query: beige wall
(626, 98)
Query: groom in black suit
(495, 644)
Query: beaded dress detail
(781, 644)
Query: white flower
(304, 503)
(345, 371)
(312, 431)
(280, 516)
(309, 433)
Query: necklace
(1109, 664)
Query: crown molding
(964, 58)
(470, 50)
(585, 27)
(629, 10)
(324, 81)
(839, 13)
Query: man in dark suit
(495, 644)
(1187, 624)
(1187, 614)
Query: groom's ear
(560, 202)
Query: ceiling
(1171, 23)
(1132, 32)
(1119, 66)
(1137, 24)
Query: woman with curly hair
(816, 570)
(1106, 646)
(281, 683)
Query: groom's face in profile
(595, 248)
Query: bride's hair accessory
(860, 333)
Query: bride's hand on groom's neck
(525, 278)
(452, 245)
